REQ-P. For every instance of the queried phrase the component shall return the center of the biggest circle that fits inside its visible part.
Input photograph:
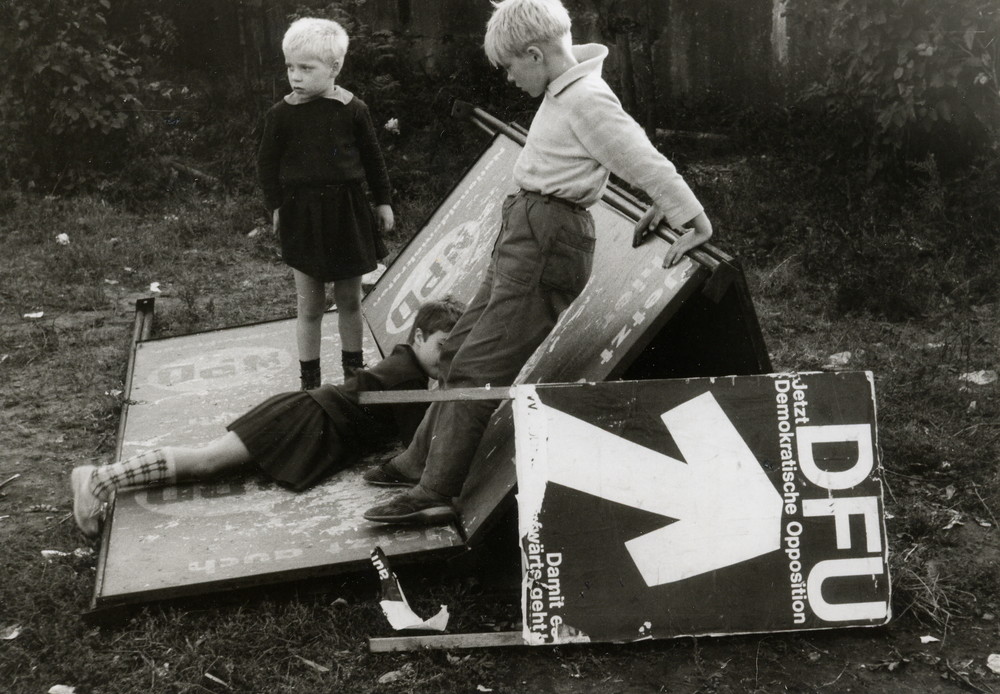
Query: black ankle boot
(310, 374)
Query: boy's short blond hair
(517, 24)
(323, 39)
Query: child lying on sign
(296, 438)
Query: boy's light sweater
(581, 131)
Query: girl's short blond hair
(323, 39)
(516, 24)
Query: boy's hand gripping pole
(644, 224)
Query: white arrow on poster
(725, 507)
(651, 509)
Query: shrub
(70, 95)
(912, 77)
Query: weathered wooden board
(426, 642)
(200, 538)
(186, 389)
(653, 509)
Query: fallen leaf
(481, 688)
(993, 662)
(956, 519)
(315, 666)
(62, 239)
(213, 678)
(10, 633)
(979, 378)
(929, 639)
(154, 287)
(396, 675)
(838, 360)
(888, 665)
(62, 689)
(36, 314)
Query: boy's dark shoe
(405, 510)
(385, 475)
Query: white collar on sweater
(590, 57)
(339, 94)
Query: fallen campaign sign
(215, 536)
(655, 509)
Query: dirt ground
(58, 412)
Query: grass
(824, 277)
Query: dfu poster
(656, 509)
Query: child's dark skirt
(292, 440)
(329, 232)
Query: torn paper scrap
(394, 605)
(980, 378)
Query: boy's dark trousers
(541, 262)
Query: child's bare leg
(347, 294)
(163, 466)
(224, 454)
(93, 486)
(311, 304)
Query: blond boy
(544, 252)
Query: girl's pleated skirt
(293, 441)
(329, 232)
